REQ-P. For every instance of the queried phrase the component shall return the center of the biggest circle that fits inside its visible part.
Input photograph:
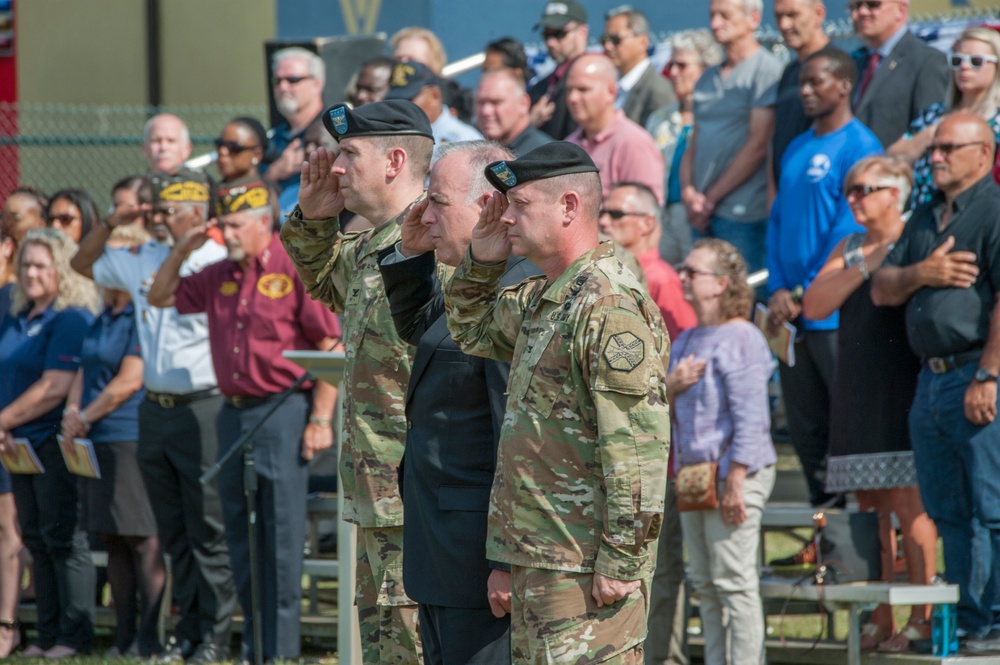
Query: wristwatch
(983, 374)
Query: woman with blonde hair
(875, 380)
(975, 87)
(717, 387)
(40, 342)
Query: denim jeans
(958, 467)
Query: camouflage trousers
(387, 617)
(555, 620)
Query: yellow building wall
(924, 7)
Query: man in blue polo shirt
(809, 217)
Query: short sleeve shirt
(722, 109)
(109, 341)
(944, 321)
(30, 347)
(175, 353)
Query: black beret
(545, 161)
(385, 118)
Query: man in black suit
(898, 74)
(454, 408)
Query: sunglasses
(62, 219)
(676, 64)
(558, 33)
(616, 215)
(614, 40)
(290, 80)
(861, 191)
(974, 61)
(947, 148)
(687, 272)
(870, 5)
(232, 147)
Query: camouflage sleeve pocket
(621, 515)
(624, 354)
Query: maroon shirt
(252, 317)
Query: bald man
(946, 271)
(621, 149)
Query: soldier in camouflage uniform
(385, 152)
(577, 500)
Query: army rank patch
(229, 288)
(274, 285)
(624, 352)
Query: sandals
(14, 626)
(915, 629)
(872, 635)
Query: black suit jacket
(455, 406)
(649, 93)
(911, 78)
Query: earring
(255, 161)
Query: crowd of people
(538, 287)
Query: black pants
(175, 447)
(282, 481)
(64, 575)
(806, 390)
(463, 636)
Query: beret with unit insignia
(385, 118)
(546, 161)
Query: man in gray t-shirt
(723, 182)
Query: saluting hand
(194, 237)
(416, 238)
(490, 243)
(319, 188)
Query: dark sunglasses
(232, 147)
(948, 148)
(974, 61)
(614, 40)
(558, 33)
(616, 215)
(290, 80)
(861, 191)
(870, 5)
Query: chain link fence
(52, 146)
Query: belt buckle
(167, 401)
(937, 365)
(238, 401)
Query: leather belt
(168, 401)
(952, 362)
(246, 401)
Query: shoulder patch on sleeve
(625, 349)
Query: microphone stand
(246, 445)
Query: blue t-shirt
(108, 342)
(6, 294)
(28, 348)
(810, 215)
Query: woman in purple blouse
(717, 386)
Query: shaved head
(596, 65)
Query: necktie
(868, 74)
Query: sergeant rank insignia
(624, 352)
(505, 175)
(338, 117)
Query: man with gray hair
(723, 186)
(166, 143)
(641, 89)
(297, 79)
(454, 406)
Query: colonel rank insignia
(505, 175)
(339, 119)
(624, 352)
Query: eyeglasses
(232, 147)
(290, 80)
(558, 33)
(973, 60)
(166, 212)
(687, 272)
(947, 148)
(871, 5)
(616, 215)
(861, 191)
(63, 219)
(614, 40)
(677, 64)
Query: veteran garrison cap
(243, 194)
(385, 118)
(185, 187)
(546, 161)
(558, 15)
(408, 79)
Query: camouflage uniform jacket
(341, 271)
(582, 461)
